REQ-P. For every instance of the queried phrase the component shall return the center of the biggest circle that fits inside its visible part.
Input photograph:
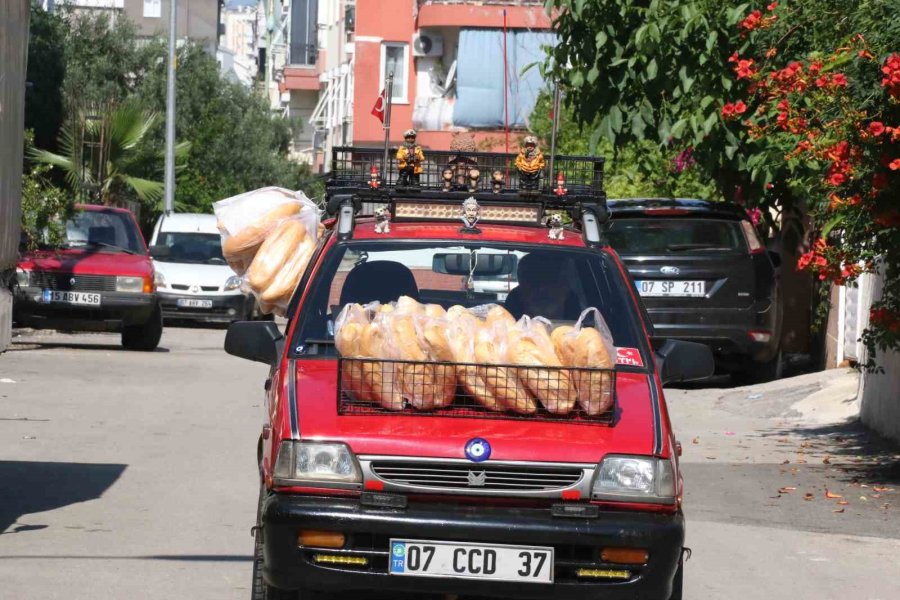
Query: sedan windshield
(557, 284)
(192, 247)
(103, 231)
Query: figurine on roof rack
(409, 160)
(530, 164)
(471, 213)
(555, 223)
(462, 171)
(382, 220)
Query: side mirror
(775, 258)
(160, 251)
(685, 361)
(260, 341)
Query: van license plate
(193, 303)
(91, 299)
(460, 560)
(671, 288)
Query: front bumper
(577, 543)
(225, 307)
(115, 311)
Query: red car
(356, 498)
(100, 278)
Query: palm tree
(97, 154)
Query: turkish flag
(378, 109)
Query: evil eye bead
(478, 450)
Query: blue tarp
(479, 72)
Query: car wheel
(677, 583)
(144, 337)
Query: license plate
(193, 303)
(48, 296)
(461, 560)
(661, 287)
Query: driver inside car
(544, 289)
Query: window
(152, 9)
(395, 58)
(103, 231)
(661, 236)
(196, 248)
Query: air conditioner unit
(427, 45)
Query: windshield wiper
(689, 247)
(105, 245)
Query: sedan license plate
(193, 303)
(671, 288)
(88, 298)
(461, 560)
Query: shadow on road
(20, 345)
(32, 487)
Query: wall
(879, 393)
(196, 19)
(14, 16)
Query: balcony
(523, 14)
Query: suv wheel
(144, 337)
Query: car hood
(87, 262)
(637, 427)
(193, 273)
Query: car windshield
(103, 231)
(557, 284)
(663, 236)
(191, 247)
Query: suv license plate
(671, 288)
(48, 296)
(193, 303)
(461, 560)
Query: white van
(192, 279)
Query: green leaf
(638, 126)
(593, 74)
(600, 39)
(577, 79)
(710, 122)
(615, 119)
(579, 6)
(706, 101)
(831, 224)
(730, 151)
(678, 128)
(711, 40)
(639, 35)
(651, 69)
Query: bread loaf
(595, 388)
(461, 329)
(274, 253)
(248, 239)
(553, 387)
(564, 345)
(502, 382)
(378, 377)
(285, 281)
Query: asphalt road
(132, 475)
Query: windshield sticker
(629, 356)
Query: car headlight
(129, 284)
(232, 283)
(635, 479)
(23, 277)
(321, 462)
(159, 280)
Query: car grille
(205, 288)
(73, 282)
(462, 476)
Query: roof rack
(359, 183)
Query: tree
(43, 204)
(97, 154)
(46, 71)
(237, 144)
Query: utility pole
(170, 114)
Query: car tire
(144, 337)
(677, 583)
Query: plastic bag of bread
(532, 345)
(588, 348)
(461, 329)
(493, 341)
(413, 335)
(361, 332)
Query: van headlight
(232, 283)
(130, 284)
(635, 479)
(323, 463)
(23, 277)
(159, 280)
